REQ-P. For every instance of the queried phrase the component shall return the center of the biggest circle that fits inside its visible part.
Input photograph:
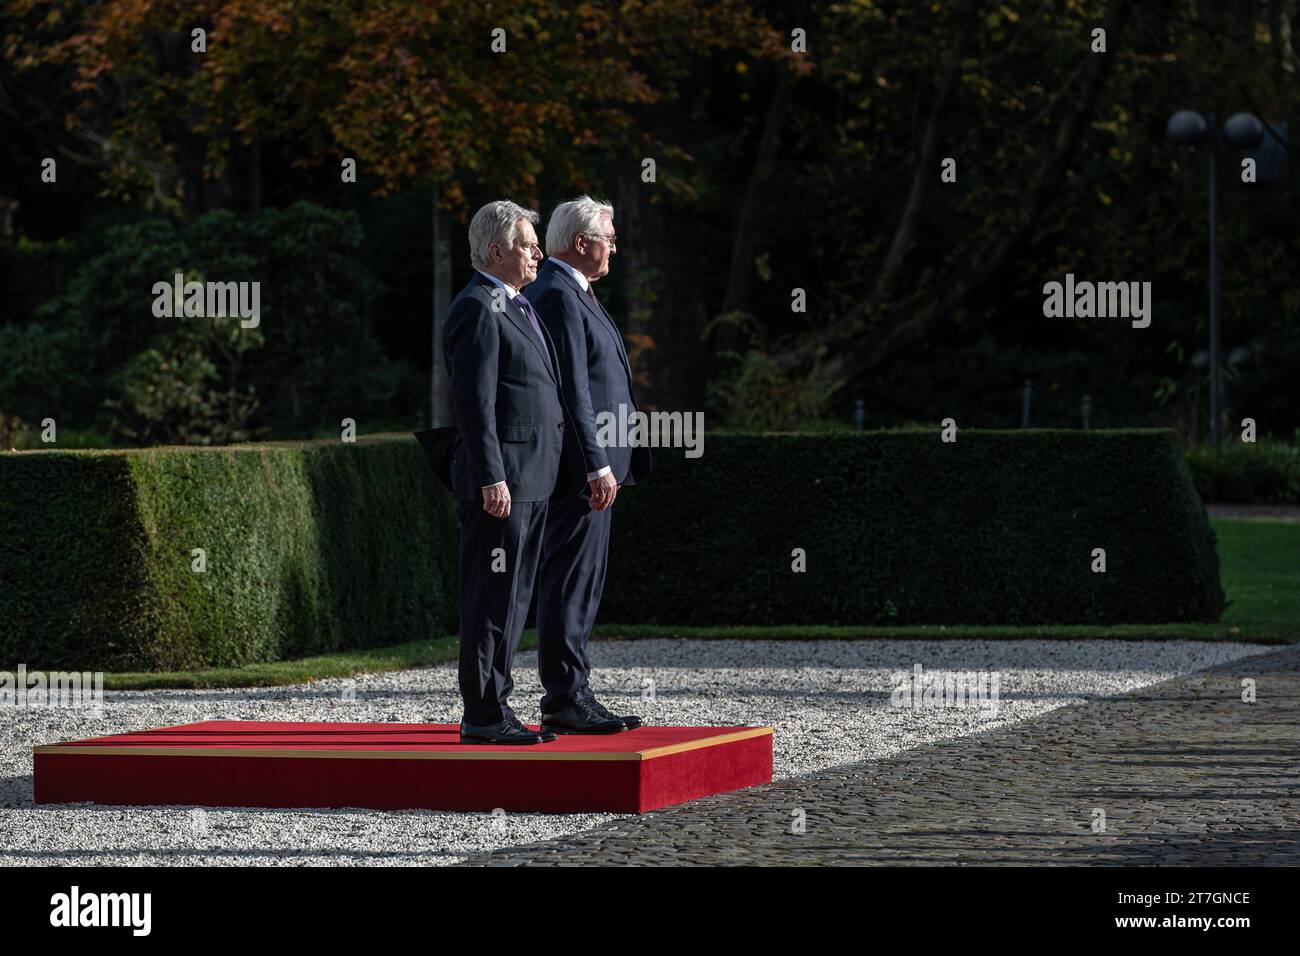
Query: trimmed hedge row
(901, 528)
(314, 547)
(1265, 473)
(310, 548)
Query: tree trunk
(926, 156)
(749, 222)
(666, 315)
(846, 353)
(659, 262)
(440, 405)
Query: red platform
(254, 763)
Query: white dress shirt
(511, 291)
(577, 276)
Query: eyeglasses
(612, 240)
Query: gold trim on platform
(470, 752)
(706, 742)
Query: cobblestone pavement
(1185, 772)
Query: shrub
(899, 528)
(314, 354)
(310, 548)
(324, 546)
(1262, 473)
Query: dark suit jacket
(594, 368)
(510, 411)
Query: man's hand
(496, 500)
(603, 490)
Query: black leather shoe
(503, 732)
(581, 717)
(545, 734)
(629, 721)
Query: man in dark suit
(597, 385)
(514, 452)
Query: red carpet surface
(400, 766)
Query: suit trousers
(496, 591)
(575, 548)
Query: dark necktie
(596, 302)
(527, 308)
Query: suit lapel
(592, 305)
(520, 320)
(618, 337)
(526, 328)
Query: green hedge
(311, 548)
(900, 528)
(1266, 473)
(317, 547)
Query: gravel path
(829, 702)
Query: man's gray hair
(495, 223)
(581, 215)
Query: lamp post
(1242, 131)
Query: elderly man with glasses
(596, 382)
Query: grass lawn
(1260, 573)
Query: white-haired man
(514, 452)
(596, 379)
